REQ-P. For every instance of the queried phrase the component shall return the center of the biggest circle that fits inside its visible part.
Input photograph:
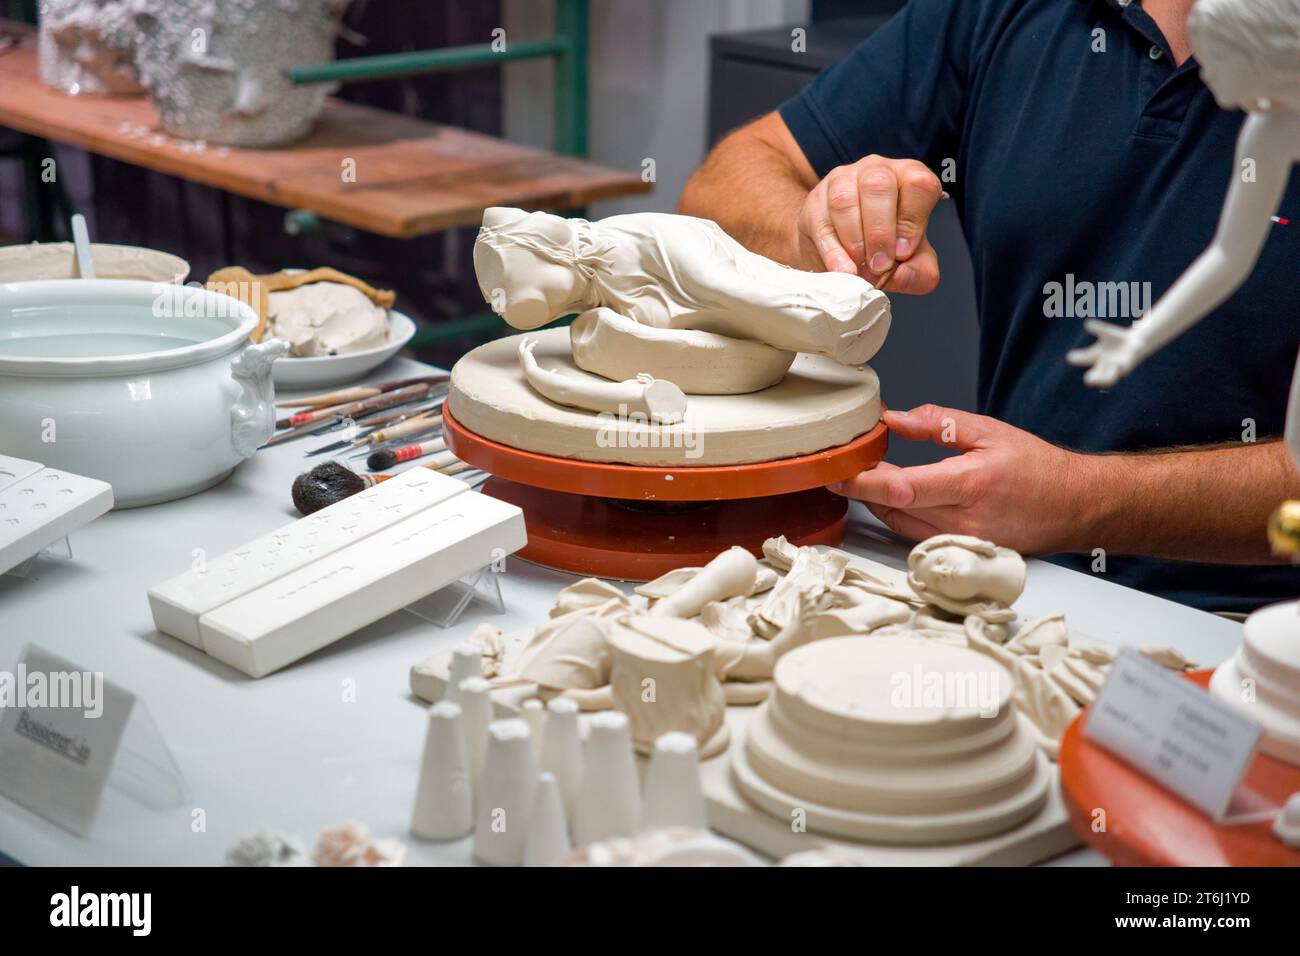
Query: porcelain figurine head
(553, 254)
(965, 575)
(1249, 51)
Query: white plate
(324, 370)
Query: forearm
(1198, 505)
(753, 189)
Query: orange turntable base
(1147, 825)
(636, 523)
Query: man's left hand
(1006, 486)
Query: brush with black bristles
(329, 483)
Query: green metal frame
(568, 47)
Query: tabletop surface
(337, 736)
(412, 176)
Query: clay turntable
(703, 397)
(645, 510)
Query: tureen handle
(252, 417)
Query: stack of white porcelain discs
(892, 740)
(1263, 680)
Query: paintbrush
(388, 457)
(414, 426)
(329, 483)
(375, 403)
(374, 422)
(359, 392)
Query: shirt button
(1155, 52)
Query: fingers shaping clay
(658, 400)
(699, 363)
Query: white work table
(337, 736)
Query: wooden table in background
(412, 177)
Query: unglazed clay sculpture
(534, 714)
(548, 838)
(609, 799)
(466, 662)
(673, 797)
(965, 575)
(892, 739)
(506, 795)
(88, 46)
(732, 573)
(699, 363)
(663, 677)
(671, 272)
(657, 400)
(444, 804)
(475, 698)
(811, 574)
(217, 72)
(562, 751)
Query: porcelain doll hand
(1118, 350)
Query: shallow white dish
(323, 370)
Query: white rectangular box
(178, 604)
(298, 613)
(39, 506)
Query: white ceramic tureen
(152, 387)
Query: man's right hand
(869, 219)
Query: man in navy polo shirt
(1088, 163)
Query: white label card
(60, 729)
(1173, 731)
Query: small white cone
(505, 800)
(609, 799)
(562, 751)
(466, 662)
(534, 711)
(548, 840)
(476, 705)
(673, 796)
(444, 806)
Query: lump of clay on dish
(699, 363)
(675, 657)
(965, 575)
(326, 318)
(659, 401)
(732, 573)
(671, 272)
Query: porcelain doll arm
(1268, 142)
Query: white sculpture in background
(1249, 51)
(669, 297)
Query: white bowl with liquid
(152, 387)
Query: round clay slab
(819, 404)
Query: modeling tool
(398, 396)
(81, 240)
(359, 392)
(311, 428)
(370, 423)
(382, 460)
